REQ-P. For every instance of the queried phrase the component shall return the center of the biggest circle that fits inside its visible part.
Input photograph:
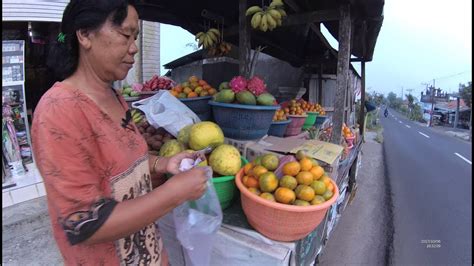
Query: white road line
(460, 156)
(400, 122)
(424, 134)
(408, 126)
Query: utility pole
(432, 90)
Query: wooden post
(244, 39)
(362, 101)
(320, 84)
(343, 61)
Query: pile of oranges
(304, 182)
(307, 106)
(193, 87)
(279, 115)
(346, 132)
(294, 108)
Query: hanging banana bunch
(267, 18)
(208, 39)
(220, 49)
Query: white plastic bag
(164, 110)
(197, 223)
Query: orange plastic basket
(279, 221)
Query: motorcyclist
(385, 113)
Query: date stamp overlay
(431, 243)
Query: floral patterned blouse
(89, 163)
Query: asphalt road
(431, 194)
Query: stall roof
(299, 45)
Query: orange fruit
(187, 90)
(291, 168)
(174, 93)
(206, 87)
(255, 191)
(305, 193)
(270, 161)
(330, 187)
(315, 163)
(250, 181)
(192, 95)
(178, 89)
(193, 79)
(247, 168)
(319, 187)
(288, 182)
(318, 199)
(326, 179)
(212, 91)
(317, 172)
(306, 164)
(328, 194)
(267, 196)
(285, 195)
(304, 178)
(202, 82)
(300, 155)
(268, 182)
(203, 93)
(299, 202)
(258, 170)
(198, 89)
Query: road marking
(424, 134)
(408, 126)
(400, 122)
(460, 156)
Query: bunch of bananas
(267, 18)
(220, 50)
(208, 39)
(136, 116)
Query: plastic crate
(199, 106)
(278, 128)
(243, 122)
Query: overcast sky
(420, 40)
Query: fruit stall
(283, 170)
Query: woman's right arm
(130, 216)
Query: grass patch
(379, 137)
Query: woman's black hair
(82, 15)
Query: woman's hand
(191, 184)
(172, 165)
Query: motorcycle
(385, 113)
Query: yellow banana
(278, 22)
(252, 10)
(215, 31)
(275, 14)
(263, 24)
(282, 12)
(212, 36)
(201, 40)
(198, 35)
(256, 19)
(276, 3)
(271, 22)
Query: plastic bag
(197, 223)
(164, 110)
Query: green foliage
(416, 113)
(466, 92)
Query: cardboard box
(241, 145)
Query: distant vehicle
(385, 113)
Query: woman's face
(112, 48)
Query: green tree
(391, 98)
(465, 92)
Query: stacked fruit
(303, 183)
(320, 109)
(127, 91)
(193, 87)
(208, 39)
(157, 83)
(307, 106)
(346, 132)
(280, 115)
(243, 91)
(220, 49)
(294, 108)
(267, 18)
(154, 137)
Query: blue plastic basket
(199, 106)
(320, 120)
(243, 122)
(278, 128)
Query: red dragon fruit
(256, 86)
(238, 84)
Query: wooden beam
(343, 62)
(244, 39)
(311, 17)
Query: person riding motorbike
(385, 112)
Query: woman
(96, 169)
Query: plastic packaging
(197, 222)
(164, 110)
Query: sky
(420, 40)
